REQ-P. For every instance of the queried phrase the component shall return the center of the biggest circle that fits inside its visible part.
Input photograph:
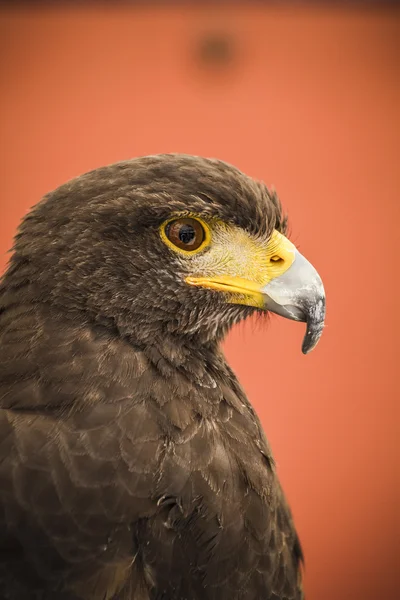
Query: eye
(186, 234)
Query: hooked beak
(298, 294)
(278, 279)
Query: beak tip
(312, 337)
(307, 348)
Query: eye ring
(187, 235)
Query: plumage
(132, 465)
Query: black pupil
(187, 234)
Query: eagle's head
(167, 245)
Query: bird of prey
(132, 465)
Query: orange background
(309, 102)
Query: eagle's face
(214, 255)
(168, 245)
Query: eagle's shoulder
(109, 454)
(78, 454)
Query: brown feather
(132, 465)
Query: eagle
(132, 464)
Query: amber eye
(187, 234)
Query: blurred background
(306, 97)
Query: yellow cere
(235, 262)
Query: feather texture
(114, 476)
(132, 466)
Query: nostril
(276, 259)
